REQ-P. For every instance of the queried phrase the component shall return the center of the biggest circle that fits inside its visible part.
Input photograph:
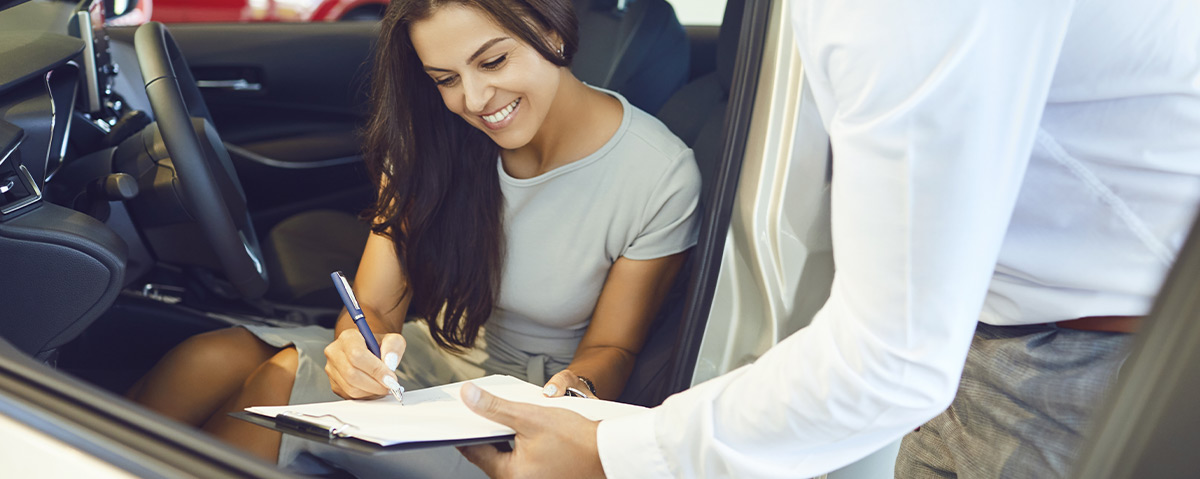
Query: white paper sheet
(437, 414)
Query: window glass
(690, 12)
(189, 11)
(699, 12)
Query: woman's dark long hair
(439, 192)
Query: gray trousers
(1023, 405)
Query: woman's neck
(580, 121)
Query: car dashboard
(63, 267)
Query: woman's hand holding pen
(354, 372)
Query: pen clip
(341, 278)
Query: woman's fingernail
(392, 360)
(472, 393)
(549, 390)
(391, 382)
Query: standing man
(1012, 181)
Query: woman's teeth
(502, 114)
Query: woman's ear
(556, 44)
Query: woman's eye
(494, 64)
(446, 81)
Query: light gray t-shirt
(636, 197)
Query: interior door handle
(239, 84)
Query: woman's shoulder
(650, 131)
(648, 147)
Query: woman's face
(485, 74)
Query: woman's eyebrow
(486, 45)
(482, 48)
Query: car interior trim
(28, 200)
(240, 84)
(55, 111)
(16, 74)
(53, 125)
(291, 165)
(89, 60)
(15, 135)
(715, 227)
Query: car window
(690, 12)
(698, 12)
(243, 11)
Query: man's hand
(551, 442)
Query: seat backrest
(636, 48)
(695, 113)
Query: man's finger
(508, 413)
(486, 457)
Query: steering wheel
(210, 188)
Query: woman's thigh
(200, 374)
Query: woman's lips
(503, 117)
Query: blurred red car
(209, 11)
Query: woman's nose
(478, 93)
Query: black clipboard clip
(297, 422)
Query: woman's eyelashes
(490, 65)
(494, 64)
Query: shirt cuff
(629, 447)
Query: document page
(436, 414)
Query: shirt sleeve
(931, 108)
(670, 221)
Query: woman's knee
(228, 349)
(271, 382)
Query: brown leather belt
(1107, 324)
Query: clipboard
(431, 417)
(308, 430)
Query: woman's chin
(508, 140)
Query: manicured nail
(392, 360)
(472, 393)
(391, 382)
(549, 390)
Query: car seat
(637, 49)
(695, 113)
(634, 47)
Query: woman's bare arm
(628, 303)
(354, 372)
(379, 286)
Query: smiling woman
(530, 224)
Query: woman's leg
(201, 374)
(269, 385)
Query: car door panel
(288, 100)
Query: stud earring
(560, 50)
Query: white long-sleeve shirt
(1014, 162)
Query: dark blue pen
(343, 288)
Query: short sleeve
(670, 222)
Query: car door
(288, 100)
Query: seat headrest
(727, 41)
